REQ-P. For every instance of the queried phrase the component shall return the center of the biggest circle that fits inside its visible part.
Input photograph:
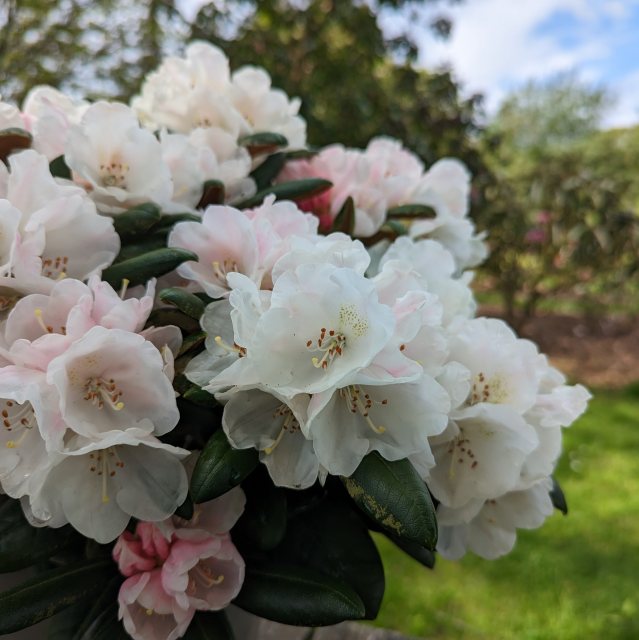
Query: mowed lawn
(577, 577)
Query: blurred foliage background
(558, 195)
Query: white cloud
(626, 112)
(499, 44)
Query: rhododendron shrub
(227, 357)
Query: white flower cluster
(322, 350)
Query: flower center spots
(15, 418)
(488, 390)
(241, 351)
(55, 268)
(114, 174)
(105, 464)
(358, 401)
(460, 453)
(290, 424)
(350, 317)
(101, 393)
(222, 269)
(330, 344)
(7, 302)
(47, 328)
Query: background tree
(561, 217)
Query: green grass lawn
(577, 577)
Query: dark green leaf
(210, 625)
(395, 227)
(558, 498)
(417, 552)
(150, 243)
(412, 211)
(59, 169)
(52, 591)
(99, 612)
(298, 596)
(212, 193)
(13, 139)
(169, 219)
(262, 143)
(186, 302)
(137, 220)
(200, 397)
(302, 154)
(393, 495)
(162, 317)
(268, 170)
(64, 624)
(345, 220)
(220, 468)
(333, 539)
(191, 342)
(142, 268)
(263, 523)
(106, 626)
(22, 545)
(185, 510)
(293, 190)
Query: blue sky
(497, 45)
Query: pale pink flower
(176, 567)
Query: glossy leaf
(161, 317)
(393, 495)
(345, 220)
(193, 341)
(13, 139)
(417, 552)
(293, 190)
(52, 591)
(137, 220)
(220, 468)
(558, 498)
(296, 595)
(268, 170)
(186, 509)
(106, 626)
(212, 193)
(22, 545)
(261, 143)
(200, 397)
(99, 612)
(210, 625)
(59, 168)
(332, 538)
(149, 243)
(142, 268)
(186, 302)
(263, 523)
(412, 211)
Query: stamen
(269, 450)
(222, 269)
(124, 287)
(38, 314)
(358, 402)
(241, 351)
(101, 392)
(330, 344)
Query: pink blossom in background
(177, 567)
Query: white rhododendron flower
(49, 231)
(119, 162)
(488, 528)
(99, 485)
(50, 114)
(198, 91)
(168, 319)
